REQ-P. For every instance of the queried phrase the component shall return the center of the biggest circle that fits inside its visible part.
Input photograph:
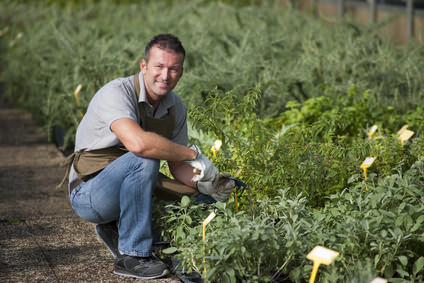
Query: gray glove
(206, 168)
(219, 188)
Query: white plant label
(378, 280)
(217, 144)
(209, 218)
(373, 129)
(406, 135)
(402, 130)
(322, 255)
(367, 162)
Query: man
(130, 125)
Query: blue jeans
(122, 191)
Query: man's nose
(164, 74)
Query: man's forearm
(182, 172)
(158, 147)
(149, 144)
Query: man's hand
(207, 171)
(219, 188)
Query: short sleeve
(112, 103)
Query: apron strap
(67, 163)
(137, 85)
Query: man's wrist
(193, 154)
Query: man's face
(162, 72)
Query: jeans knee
(143, 167)
(151, 166)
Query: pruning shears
(238, 190)
(239, 186)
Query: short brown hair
(164, 41)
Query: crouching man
(130, 125)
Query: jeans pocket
(80, 198)
(82, 205)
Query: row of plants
(306, 189)
(292, 101)
(312, 148)
(48, 50)
(378, 232)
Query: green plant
(377, 232)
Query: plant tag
(402, 129)
(367, 162)
(76, 92)
(209, 218)
(372, 131)
(3, 31)
(237, 173)
(217, 144)
(378, 280)
(406, 135)
(206, 222)
(322, 255)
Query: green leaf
(416, 227)
(397, 280)
(420, 219)
(399, 221)
(403, 259)
(402, 272)
(169, 250)
(185, 200)
(377, 259)
(418, 222)
(418, 265)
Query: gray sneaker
(108, 234)
(140, 267)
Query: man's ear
(143, 65)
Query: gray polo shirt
(116, 100)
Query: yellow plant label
(76, 92)
(378, 280)
(372, 131)
(367, 162)
(406, 135)
(209, 218)
(206, 222)
(217, 144)
(322, 255)
(402, 129)
(78, 89)
(237, 173)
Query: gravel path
(41, 239)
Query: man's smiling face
(161, 73)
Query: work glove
(206, 170)
(219, 188)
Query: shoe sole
(114, 254)
(127, 274)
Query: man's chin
(163, 91)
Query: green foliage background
(291, 99)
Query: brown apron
(88, 164)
